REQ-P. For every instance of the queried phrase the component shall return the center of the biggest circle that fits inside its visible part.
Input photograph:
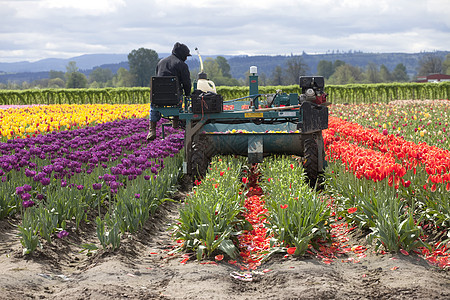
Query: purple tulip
(137, 196)
(27, 187)
(27, 203)
(20, 190)
(62, 234)
(45, 181)
(126, 162)
(47, 169)
(30, 173)
(97, 186)
(25, 196)
(80, 187)
(84, 150)
(58, 168)
(114, 184)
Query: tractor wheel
(199, 159)
(311, 156)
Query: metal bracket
(189, 133)
(163, 126)
(255, 149)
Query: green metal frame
(264, 130)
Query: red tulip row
(341, 134)
(253, 242)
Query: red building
(433, 78)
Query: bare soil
(142, 269)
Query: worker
(173, 65)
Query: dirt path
(141, 270)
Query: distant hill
(32, 76)
(266, 64)
(84, 62)
(29, 71)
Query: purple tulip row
(118, 149)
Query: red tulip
(219, 257)
(291, 250)
(352, 210)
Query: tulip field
(65, 167)
(388, 173)
(380, 177)
(60, 164)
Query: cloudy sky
(36, 29)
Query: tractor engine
(312, 89)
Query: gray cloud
(31, 30)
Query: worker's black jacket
(174, 65)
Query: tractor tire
(311, 159)
(200, 159)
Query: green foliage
(132, 206)
(429, 64)
(224, 66)
(446, 65)
(100, 75)
(346, 74)
(296, 214)
(395, 228)
(56, 74)
(211, 217)
(68, 206)
(142, 64)
(399, 74)
(123, 78)
(325, 68)
(350, 93)
(295, 67)
(385, 92)
(75, 96)
(76, 80)
(385, 75)
(8, 204)
(217, 70)
(29, 231)
(277, 76)
(377, 207)
(372, 75)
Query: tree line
(142, 66)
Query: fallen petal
(184, 260)
(404, 252)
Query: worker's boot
(175, 122)
(152, 134)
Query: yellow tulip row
(33, 120)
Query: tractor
(254, 126)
